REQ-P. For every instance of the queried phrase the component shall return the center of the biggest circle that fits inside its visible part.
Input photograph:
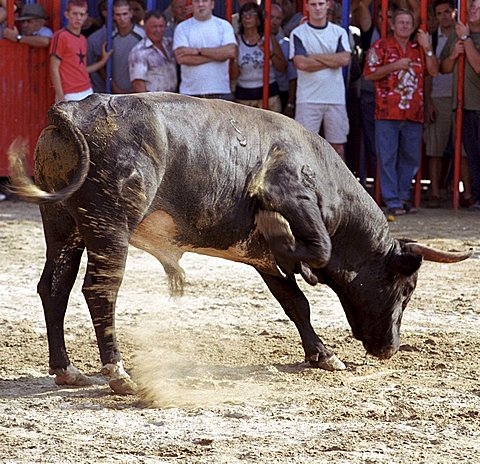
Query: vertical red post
(266, 50)
(10, 14)
(418, 178)
(57, 18)
(462, 14)
(384, 27)
(383, 35)
(228, 11)
(304, 8)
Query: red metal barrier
(462, 11)
(26, 89)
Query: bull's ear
(405, 263)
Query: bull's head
(375, 295)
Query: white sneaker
(2, 196)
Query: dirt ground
(221, 367)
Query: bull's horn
(431, 254)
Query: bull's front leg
(297, 308)
(104, 275)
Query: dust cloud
(169, 375)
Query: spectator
(95, 44)
(125, 37)
(236, 16)
(248, 69)
(319, 50)
(287, 81)
(33, 31)
(202, 46)
(151, 62)
(139, 9)
(177, 12)
(466, 40)
(68, 51)
(397, 66)
(291, 19)
(438, 105)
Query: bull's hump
(158, 235)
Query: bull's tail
(23, 186)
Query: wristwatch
(19, 37)
(464, 37)
(429, 53)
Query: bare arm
(101, 62)
(32, 40)
(473, 56)
(383, 71)
(447, 64)
(361, 16)
(55, 76)
(423, 38)
(278, 60)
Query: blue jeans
(471, 142)
(398, 145)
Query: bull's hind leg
(64, 252)
(297, 308)
(105, 270)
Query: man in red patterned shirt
(397, 67)
(68, 56)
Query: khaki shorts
(274, 103)
(437, 134)
(334, 118)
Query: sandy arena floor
(220, 367)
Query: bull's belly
(157, 234)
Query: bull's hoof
(71, 376)
(329, 364)
(123, 386)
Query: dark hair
(441, 2)
(251, 6)
(142, 3)
(156, 14)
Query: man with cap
(33, 30)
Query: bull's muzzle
(381, 351)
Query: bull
(171, 174)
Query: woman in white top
(248, 68)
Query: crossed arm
(317, 62)
(195, 56)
